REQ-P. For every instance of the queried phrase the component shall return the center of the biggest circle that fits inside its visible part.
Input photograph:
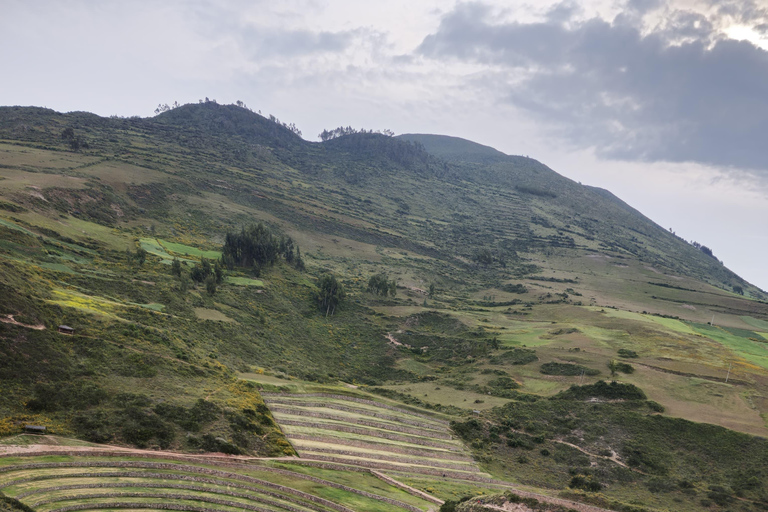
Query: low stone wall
(362, 421)
(356, 410)
(186, 478)
(384, 447)
(150, 485)
(390, 458)
(355, 399)
(372, 433)
(164, 496)
(196, 469)
(422, 470)
(152, 506)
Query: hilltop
(480, 287)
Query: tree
(141, 255)
(256, 245)
(330, 293)
(432, 290)
(613, 366)
(738, 289)
(378, 284)
(210, 285)
(218, 271)
(176, 267)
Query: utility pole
(729, 372)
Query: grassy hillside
(511, 284)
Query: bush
(655, 406)
(586, 483)
(602, 389)
(468, 429)
(516, 356)
(569, 369)
(628, 354)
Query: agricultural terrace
(360, 432)
(52, 482)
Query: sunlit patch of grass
(243, 281)
(186, 250)
(97, 305)
(212, 314)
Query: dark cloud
(679, 93)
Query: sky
(662, 102)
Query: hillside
(511, 284)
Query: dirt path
(8, 319)
(396, 343)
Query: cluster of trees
(485, 257)
(380, 285)
(164, 107)
(211, 275)
(76, 142)
(256, 247)
(138, 257)
(330, 294)
(210, 272)
(341, 131)
(703, 248)
(290, 126)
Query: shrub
(586, 483)
(569, 369)
(628, 354)
(602, 389)
(516, 356)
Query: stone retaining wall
(356, 410)
(152, 506)
(196, 469)
(362, 421)
(422, 470)
(163, 496)
(372, 433)
(189, 478)
(405, 450)
(150, 485)
(358, 400)
(391, 458)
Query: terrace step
(355, 399)
(277, 405)
(370, 433)
(368, 462)
(283, 412)
(373, 445)
(434, 462)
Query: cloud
(264, 41)
(677, 92)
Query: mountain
(480, 287)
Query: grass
(448, 396)
(185, 250)
(211, 314)
(243, 281)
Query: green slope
(501, 265)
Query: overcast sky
(665, 103)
